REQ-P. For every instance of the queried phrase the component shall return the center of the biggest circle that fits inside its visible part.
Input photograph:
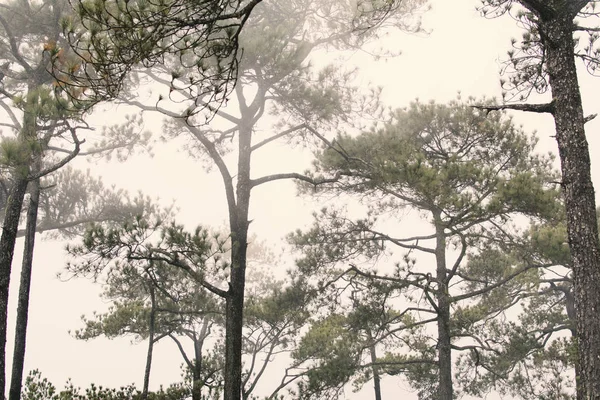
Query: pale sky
(461, 53)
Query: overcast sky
(461, 53)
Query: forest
(239, 204)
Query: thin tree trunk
(233, 334)
(572, 315)
(375, 369)
(7, 248)
(24, 291)
(197, 370)
(582, 228)
(11, 225)
(234, 312)
(151, 328)
(445, 390)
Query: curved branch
(185, 267)
(182, 351)
(294, 175)
(14, 47)
(277, 136)
(501, 282)
(61, 163)
(11, 115)
(461, 256)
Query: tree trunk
(7, 248)
(11, 222)
(233, 331)
(197, 370)
(197, 373)
(234, 312)
(375, 369)
(445, 391)
(24, 290)
(151, 328)
(578, 190)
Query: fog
(458, 53)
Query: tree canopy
(445, 252)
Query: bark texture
(11, 223)
(151, 332)
(7, 249)
(238, 219)
(197, 381)
(16, 379)
(445, 390)
(556, 29)
(375, 369)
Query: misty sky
(461, 53)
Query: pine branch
(167, 258)
(294, 175)
(14, 47)
(385, 278)
(277, 136)
(64, 161)
(459, 259)
(535, 108)
(501, 282)
(16, 124)
(242, 13)
(586, 28)
(182, 351)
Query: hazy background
(460, 53)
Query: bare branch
(182, 351)
(294, 175)
(208, 145)
(197, 100)
(535, 108)
(458, 261)
(589, 118)
(11, 115)
(277, 136)
(399, 242)
(266, 361)
(44, 227)
(586, 28)
(218, 160)
(14, 47)
(501, 282)
(400, 281)
(63, 162)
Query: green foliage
(337, 347)
(73, 199)
(334, 237)
(14, 153)
(140, 256)
(529, 355)
(33, 40)
(469, 174)
(37, 387)
(453, 157)
(141, 242)
(525, 67)
(117, 35)
(549, 241)
(342, 345)
(144, 256)
(122, 318)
